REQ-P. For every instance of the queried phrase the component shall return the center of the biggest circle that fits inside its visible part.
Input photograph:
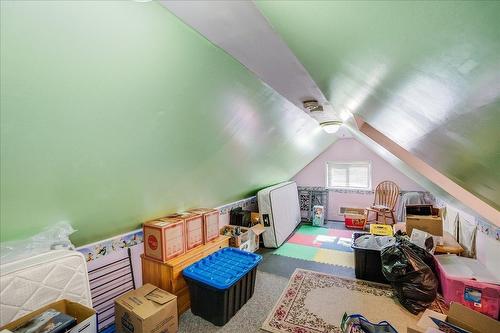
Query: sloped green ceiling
(424, 73)
(114, 112)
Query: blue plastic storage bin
(220, 284)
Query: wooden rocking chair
(386, 196)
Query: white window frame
(369, 163)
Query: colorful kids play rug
(328, 246)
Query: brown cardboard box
(194, 229)
(461, 316)
(255, 217)
(237, 241)
(248, 240)
(85, 317)
(257, 230)
(431, 224)
(210, 222)
(146, 310)
(164, 238)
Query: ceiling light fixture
(331, 127)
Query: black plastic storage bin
(367, 263)
(220, 284)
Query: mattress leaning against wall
(29, 283)
(280, 212)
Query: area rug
(328, 246)
(315, 302)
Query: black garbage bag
(413, 280)
(423, 254)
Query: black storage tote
(367, 262)
(220, 284)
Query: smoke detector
(312, 105)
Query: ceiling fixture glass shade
(331, 126)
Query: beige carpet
(249, 319)
(315, 302)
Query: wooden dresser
(168, 276)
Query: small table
(450, 245)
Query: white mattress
(280, 212)
(28, 284)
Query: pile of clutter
(408, 267)
(416, 275)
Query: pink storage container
(466, 281)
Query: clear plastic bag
(372, 242)
(52, 238)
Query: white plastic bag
(52, 238)
(372, 242)
(424, 240)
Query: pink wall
(348, 150)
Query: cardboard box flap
(471, 320)
(258, 229)
(159, 296)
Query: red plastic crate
(354, 221)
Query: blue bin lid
(223, 268)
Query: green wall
(114, 112)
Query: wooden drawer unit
(168, 275)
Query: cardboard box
(148, 309)
(236, 240)
(431, 224)
(257, 230)
(85, 316)
(194, 229)
(210, 222)
(255, 217)
(458, 315)
(247, 240)
(164, 238)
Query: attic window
(349, 175)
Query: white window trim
(369, 188)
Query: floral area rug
(315, 302)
